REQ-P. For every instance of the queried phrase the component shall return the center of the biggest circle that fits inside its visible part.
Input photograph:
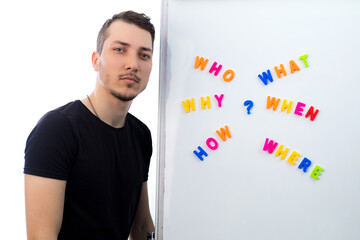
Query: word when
(265, 77)
(250, 104)
(274, 102)
(201, 62)
(270, 146)
(190, 104)
(212, 143)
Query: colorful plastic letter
(215, 68)
(201, 62)
(299, 108)
(226, 73)
(269, 145)
(223, 133)
(293, 66)
(282, 152)
(274, 102)
(282, 70)
(212, 140)
(303, 58)
(316, 172)
(189, 104)
(265, 77)
(311, 113)
(305, 163)
(286, 106)
(293, 157)
(219, 99)
(200, 153)
(205, 103)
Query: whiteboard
(239, 190)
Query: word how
(215, 68)
(270, 146)
(190, 104)
(266, 76)
(274, 102)
(212, 143)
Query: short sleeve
(51, 147)
(147, 152)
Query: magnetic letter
(269, 145)
(286, 106)
(212, 140)
(225, 75)
(219, 99)
(282, 70)
(215, 68)
(271, 102)
(303, 58)
(201, 62)
(293, 66)
(293, 157)
(200, 153)
(189, 104)
(305, 164)
(316, 172)
(299, 108)
(311, 113)
(266, 77)
(207, 102)
(282, 152)
(224, 132)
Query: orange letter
(293, 66)
(272, 103)
(223, 133)
(282, 70)
(201, 62)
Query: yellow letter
(189, 105)
(207, 102)
(282, 152)
(286, 106)
(293, 157)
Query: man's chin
(123, 97)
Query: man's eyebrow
(127, 44)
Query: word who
(215, 68)
(266, 76)
(190, 103)
(212, 144)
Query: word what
(190, 103)
(274, 102)
(267, 77)
(270, 146)
(212, 144)
(215, 68)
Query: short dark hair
(139, 19)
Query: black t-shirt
(104, 168)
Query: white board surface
(240, 191)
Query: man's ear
(95, 60)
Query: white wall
(45, 62)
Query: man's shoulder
(136, 123)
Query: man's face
(125, 63)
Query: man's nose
(132, 63)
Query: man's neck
(109, 109)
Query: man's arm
(44, 205)
(143, 221)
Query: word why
(270, 146)
(212, 143)
(266, 76)
(190, 104)
(274, 102)
(215, 68)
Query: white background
(239, 191)
(45, 62)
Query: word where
(270, 146)
(274, 102)
(190, 104)
(215, 68)
(212, 144)
(266, 76)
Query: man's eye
(119, 49)
(144, 56)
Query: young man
(87, 162)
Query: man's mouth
(129, 78)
